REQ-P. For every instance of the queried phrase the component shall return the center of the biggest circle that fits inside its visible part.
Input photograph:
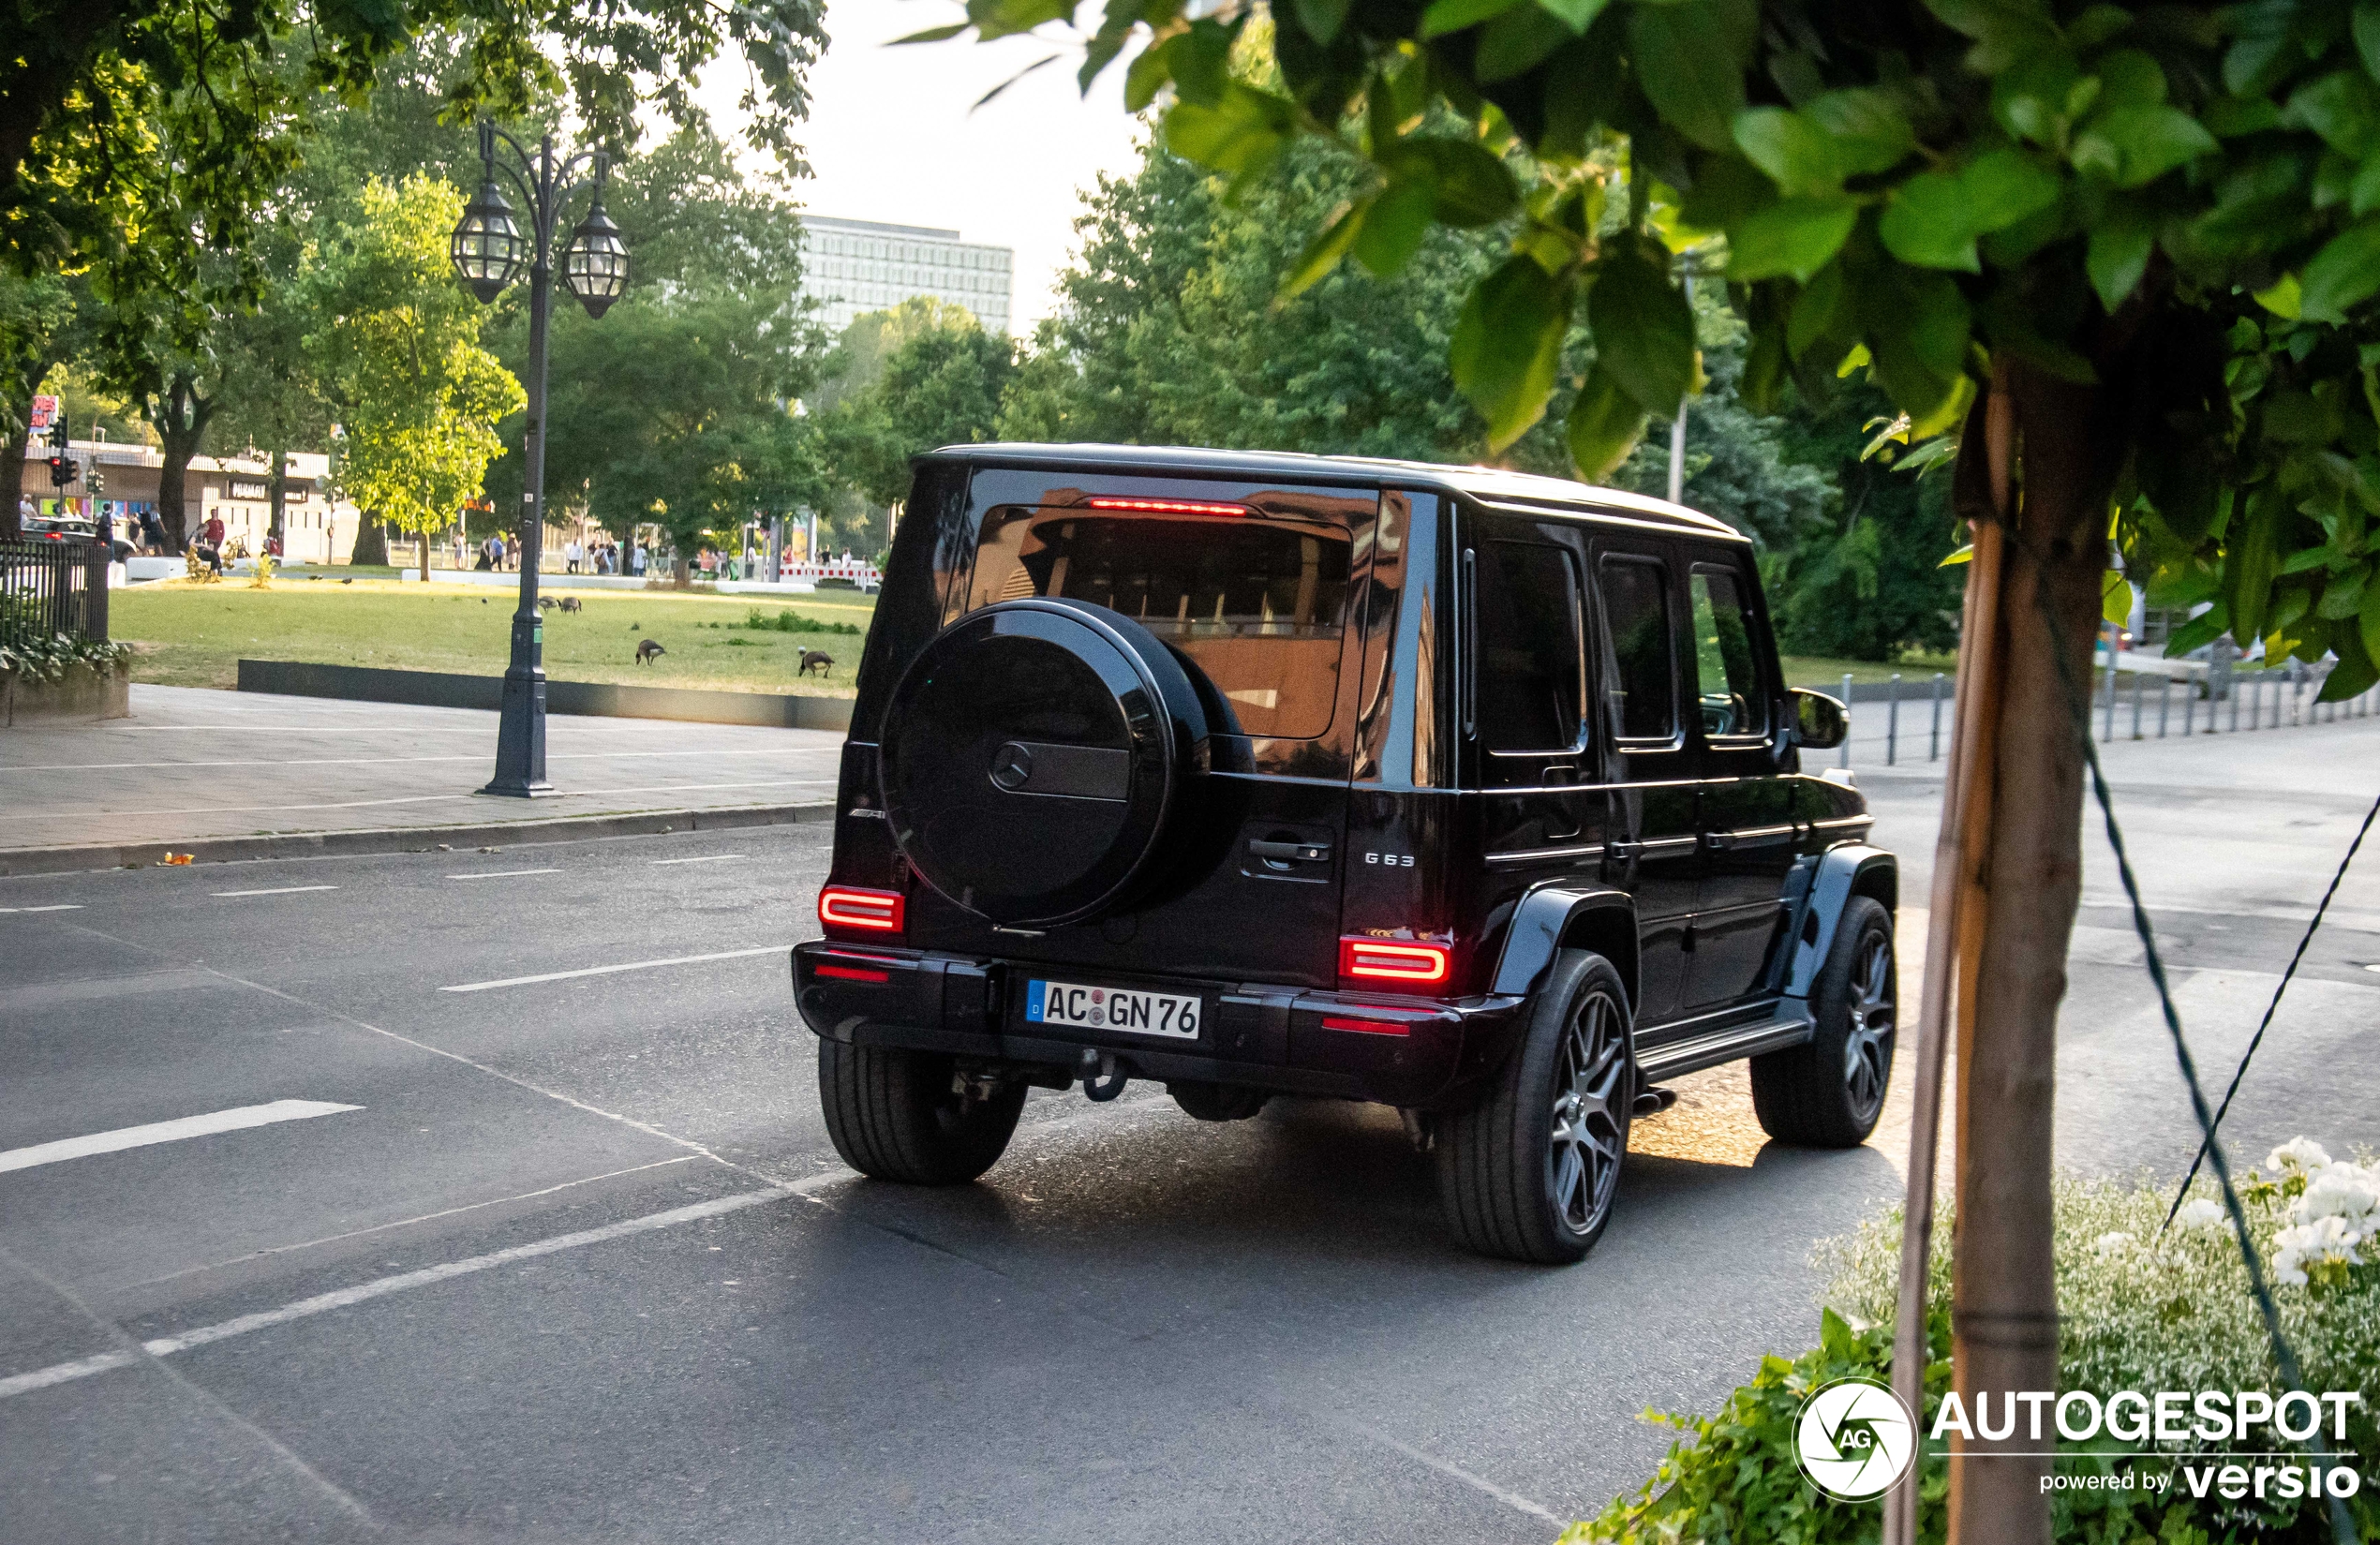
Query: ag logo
(1855, 1439)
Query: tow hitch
(1101, 1082)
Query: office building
(857, 266)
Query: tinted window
(1636, 613)
(1525, 598)
(1257, 605)
(1725, 675)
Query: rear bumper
(1418, 1053)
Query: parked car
(1472, 794)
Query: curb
(337, 844)
(603, 700)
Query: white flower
(2297, 1154)
(2113, 1244)
(2338, 1191)
(2200, 1213)
(2326, 1241)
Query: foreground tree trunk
(2028, 876)
(371, 544)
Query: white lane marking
(407, 1223)
(70, 906)
(1445, 1468)
(606, 971)
(168, 1132)
(706, 858)
(276, 890)
(451, 798)
(502, 875)
(323, 1303)
(393, 761)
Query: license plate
(1112, 1008)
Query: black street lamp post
(488, 248)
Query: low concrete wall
(442, 689)
(83, 694)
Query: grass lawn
(193, 635)
(1819, 673)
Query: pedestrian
(152, 530)
(211, 540)
(638, 562)
(512, 552)
(570, 555)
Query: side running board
(1791, 1028)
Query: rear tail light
(1401, 965)
(1366, 1027)
(870, 910)
(854, 973)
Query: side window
(1643, 689)
(1527, 668)
(1726, 674)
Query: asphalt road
(578, 1262)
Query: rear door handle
(1625, 848)
(1295, 852)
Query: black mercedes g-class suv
(1471, 793)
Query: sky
(891, 138)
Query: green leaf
(1797, 155)
(1643, 331)
(1821, 311)
(2342, 597)
(1472, 184)
(2129, 78)
(1871, 133)
(1689, 61)
(2251, 562)
(1146, 75)
(2004, 187)
(1918, 327)
(1393, 228)
(1508, 344)
(2146, 143)
(1322, 19)
(1926, 223)
(1798, 236)
(2004, 31)
(1323, 253)
(1242, 133)
(1959, 554)
(2119, 253)
(2199, 632)
(2363, 194)
(1578, 15)
(2115, 598)
(2283, 297)
(933, 35)
(2343, 107)
(2366, 28)
(2343, 275)
(2355, 674)
(1444, 15)
(2368, 621)
(1605, 425)
(1517, 42)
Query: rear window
(1260, 604)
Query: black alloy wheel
(1828, 1092)
(1531, 1170)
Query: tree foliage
(940, 383)
(396, 340)
(2176, 210)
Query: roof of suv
(1490, 484)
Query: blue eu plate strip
(1033, 992)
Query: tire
(1828, 1092)
(895, 1115)
(1530, 1172)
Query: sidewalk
(194, 764)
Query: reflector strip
(1168, 506)
(1397, 962)
(854, 973)
(848, 907)
(1367, 1026)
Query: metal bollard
(2139, 685)
(2164, 704)
(2237, 687)
(2190, 711)
(1843, 757)
(1934, 739)
(1891, 718)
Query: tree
(44, 321)
(2134, 254)
(397, 340)
(939, 384)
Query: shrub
(2141, 1310)
(46, 658)
(793, 622)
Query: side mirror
(1821, 722)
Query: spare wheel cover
(1031, 756)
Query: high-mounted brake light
(876, 910)
(1169, 507)
(1404, 964)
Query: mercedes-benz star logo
(1855, 1439)
(1011, 766)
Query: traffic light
(63, 471)
(97, 483)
